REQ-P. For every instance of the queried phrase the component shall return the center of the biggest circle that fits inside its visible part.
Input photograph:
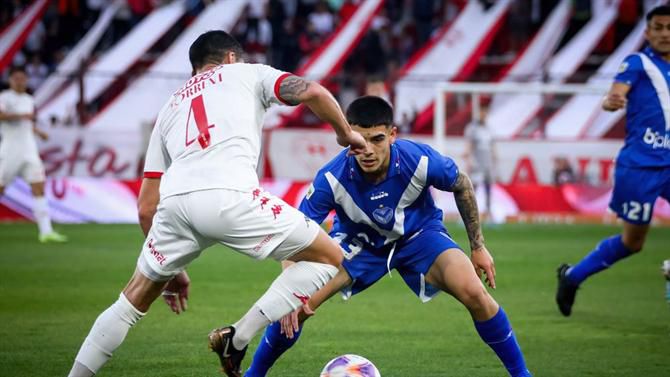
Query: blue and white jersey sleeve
(319, 201)
(629, 70)
(442, 170)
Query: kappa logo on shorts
(264, 201)
(255, 194)
(276, 210)
(159, 257)
(302, 298)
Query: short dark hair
(17, 68)
(662, 10)
(211, 47)
(370, 111)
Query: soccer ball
(350, 366)
(665, 267)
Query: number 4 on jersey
(200, 116)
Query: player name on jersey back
(208, 135)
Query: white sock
(41, 212)
(80, 370)
(247, 326)
(295, 284)
(106, 336)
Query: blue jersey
(647, 111)
(374, 216)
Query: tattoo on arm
(464, 194)
(291, 89)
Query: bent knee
(332, 257)
(474, 296)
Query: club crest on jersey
(379, 195)
(310, 191)
(623, 67)
(383, 215)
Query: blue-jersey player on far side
(642, 171)
(386, 219)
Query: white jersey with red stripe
(208, 134)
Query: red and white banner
(453, 54)
(84, 200)
(15, 35)
(297, 154)
(83, 152)
(518, 161)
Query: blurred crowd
(284, 33)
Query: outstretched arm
(464, 194)
(616, 97)
(295, 90)
(290, 323)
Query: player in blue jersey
(386, 219)
(642, 171)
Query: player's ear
(230, 58)
(393, 134)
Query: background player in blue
(642, 171)
(386, 219)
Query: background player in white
(206, 141)
(480, 155)
(19, 156)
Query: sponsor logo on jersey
(383, 214)
(379, 195)
(655, 139)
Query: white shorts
(30, 169)
(254, 223)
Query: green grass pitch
(51, 294)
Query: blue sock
(272, 345)
(497, 333)
(609, 251)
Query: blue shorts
(412, 258)
(636, 190)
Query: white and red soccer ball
(350, 366)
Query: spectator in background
(407, 123)
(563, 172)
(376, 87)
(309, 40)
(322, 19)
(37, 72)
(423, 12)
(289, 44)
(276, 15)
(480, 154)
(347, 10)
(36, 38)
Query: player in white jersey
(201, 188)
(19, 156)
(480, 155)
